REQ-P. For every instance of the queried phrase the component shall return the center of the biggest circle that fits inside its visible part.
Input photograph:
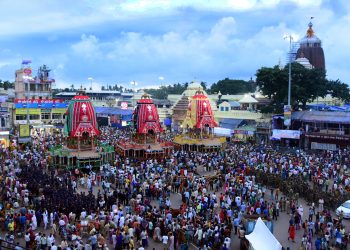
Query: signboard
(24, 130)
(27, 71)
(21, 111)
(30, 111)
(59, 111)
(287, 111)
(45, 110)
(243, 132)
(222, 131)
(323, 146)
(38, 100)
(38, 103)
(124, 105)
(288, 134)
(24, 139)
(330, 137)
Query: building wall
(224, 107)
(19, 84)
(38, 116)
(27, 87)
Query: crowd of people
(205, 199)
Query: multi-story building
(29, 87)
(33, 103)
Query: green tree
(204, 85)
(338, 89)
(231, 87)
(164, 91)
(307, 85)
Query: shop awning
(322, 116)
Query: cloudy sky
(157, 42)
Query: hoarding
(323, 146)
(287, 112)
(38, 103)
(59, 111)
(287, 134)
(27, 71)
(124, 105)
(22, 111)
(222, 131)
(24, 130)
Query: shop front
(4, 139)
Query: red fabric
(83, 119)
(204, 113)
(147, 118)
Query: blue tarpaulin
(113, 111)
(167, 121)
(230, 123)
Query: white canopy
(262, 239)
(248, 99)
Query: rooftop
(322, 116)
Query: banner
(243, 132)
(287, 112)
(34, 111)
(288, 134)
(23, 111)
(24, 130)
(38, 100)
(323, 146)
(59, 111)
(222, 131)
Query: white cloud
(26, 17)
(207, 40)
(218, 52)
(88, 47)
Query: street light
(134, 84)
(288, 109)
(290, 67)
(90, 79)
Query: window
(56, 116)
(226, 108)
(45, 116)
(221, 108)
(34, 117)
(21, 117)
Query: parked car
(345, 207)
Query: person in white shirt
(165, 239)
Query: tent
(261, 238)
